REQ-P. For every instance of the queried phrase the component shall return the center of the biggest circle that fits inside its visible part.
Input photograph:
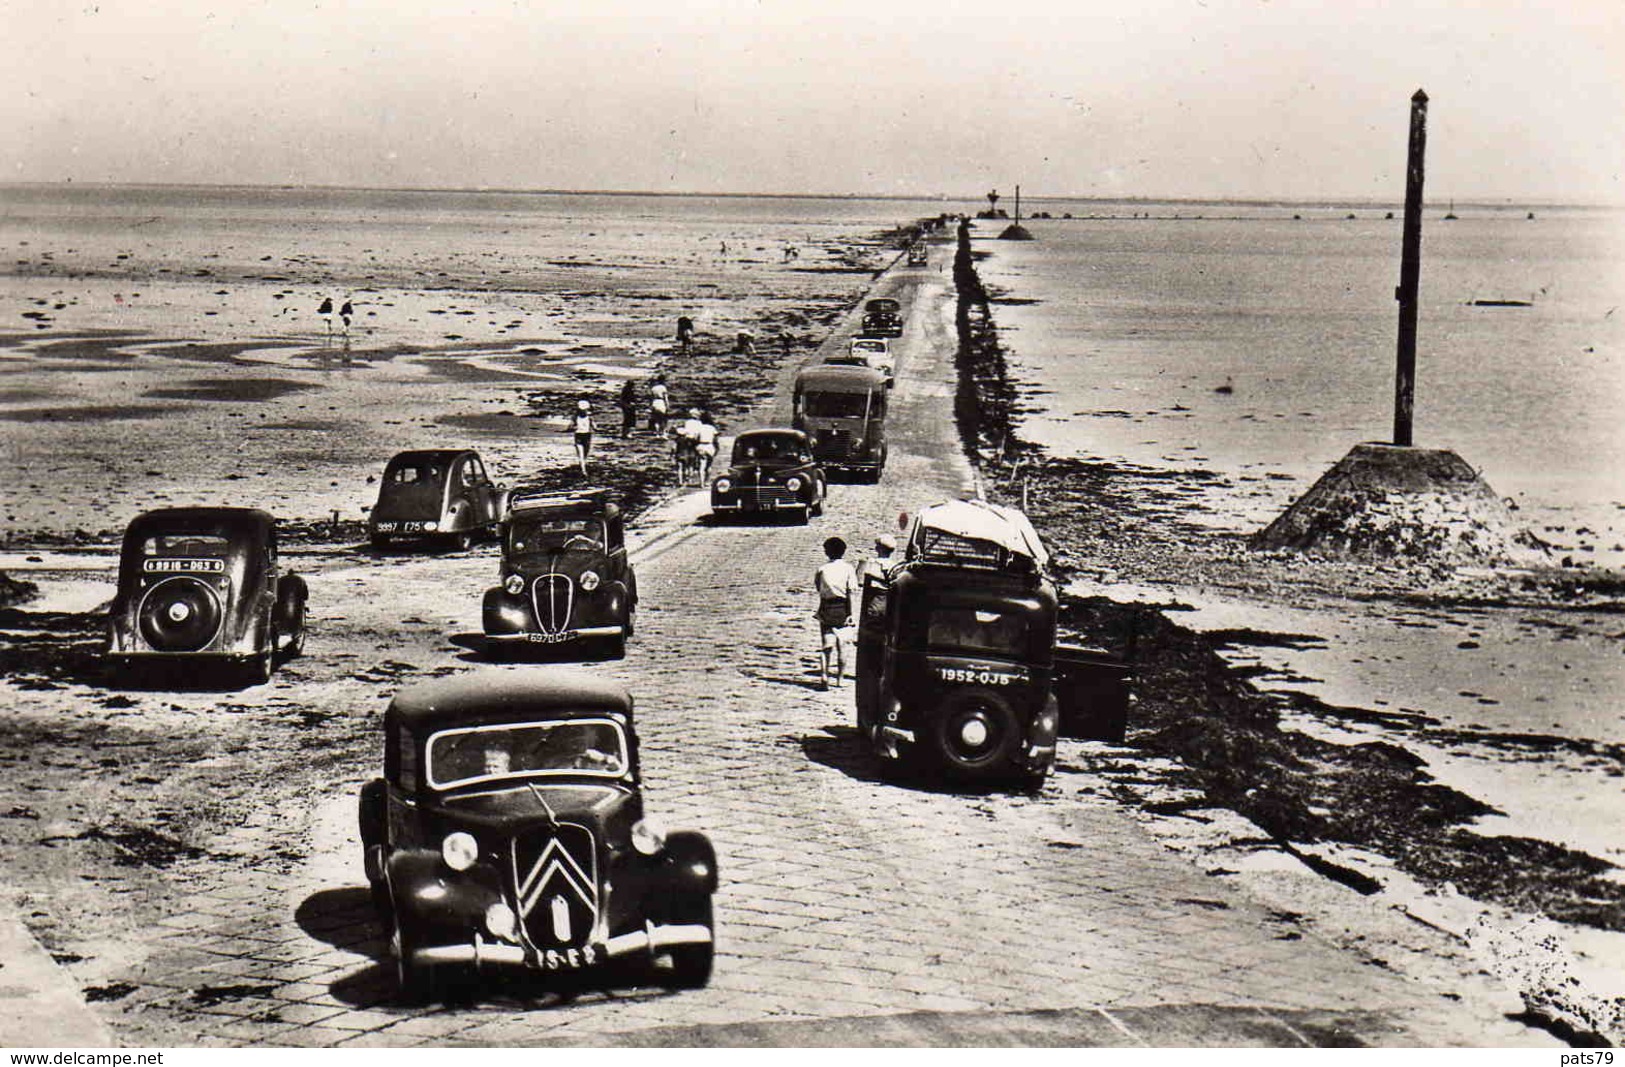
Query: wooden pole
(1410, 272)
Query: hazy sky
(1189, 98)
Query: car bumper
(765, 504)
(653, 938)
(534, 637)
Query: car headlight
(431, 526)
(722, 485)
(501, 921)
(514, 584)
(589, 580)
(793, 484)
(649, 838)
(459, 850)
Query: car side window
(466, 475)
(476, 472)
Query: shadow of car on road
(846, 750)
(346, 918)
(477, 649)
(48, 649)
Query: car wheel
(462, 542)
(691, 964)
(804, 515)
(975, 735)
(261, 666)
(379, 541)
(415, 980)
(615, 647)
(296, 641)
(631, 623)
(816, 508)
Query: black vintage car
(201, 584)
(771, 472)
(565, 575)
(508, 833)
(442, 496)
(957, 664)
(882, 317)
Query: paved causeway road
(851, 911)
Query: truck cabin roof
(840, 378)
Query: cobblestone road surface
(850, 911)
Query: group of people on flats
(695, 438)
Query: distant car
(771, 471)
(507, 833)
(882, 317)
(437, 495)
(201, 584)
(918, 256)
(565, 575)
(872, 352)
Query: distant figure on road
(685, 448)
(744, 344)
(685, 332)
(629, 408)
(883, 562)
(705, 443)
(582, 425)
(836, 583)
(659, 405)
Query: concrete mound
(1383, 502)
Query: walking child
(836, 583)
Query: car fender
(457, 518)
(423, 888)
(693, 862)
(371, 815)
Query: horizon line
(927, 197)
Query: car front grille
(553, 596)
(555, 880)
(767, 495)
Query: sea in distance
(1260, 339)
(1125, 321)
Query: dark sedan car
(771, 472)
(202, 584)
(565, 575)
(508, 833)
(882, 317)
(440, 496)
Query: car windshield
(555, 534)
(869, 346)
(769, 450)
(525, 750)
(974, 630)
(837, 405)
(882, 306)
